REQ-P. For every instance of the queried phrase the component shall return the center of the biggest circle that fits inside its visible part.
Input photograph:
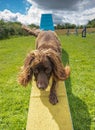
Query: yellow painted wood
(43, 115)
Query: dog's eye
(35, 71)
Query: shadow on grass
(79, 111)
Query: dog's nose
(41, 85)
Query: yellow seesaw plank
(44, 116)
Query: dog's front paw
(53, 98)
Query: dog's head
(43, 64)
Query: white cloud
(33, 15)
(83, 11)
(8, 15)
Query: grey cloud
(57, 4)
(66, 5)
(88, 4)
(71, 11)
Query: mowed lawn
(14, 99)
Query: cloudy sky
(29, 11)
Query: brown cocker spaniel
(44, 63)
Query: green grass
(80, 53)
(14, 100)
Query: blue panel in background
(46, 22)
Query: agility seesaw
(43, 115)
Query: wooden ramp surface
(44, 116)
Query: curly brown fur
(44, 62)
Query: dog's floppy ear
(60, 72)
(26, 71)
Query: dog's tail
(33, 32)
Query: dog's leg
(53, 97)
